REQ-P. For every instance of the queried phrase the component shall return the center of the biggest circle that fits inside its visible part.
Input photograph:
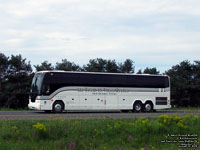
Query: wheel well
(137, 101)
(61, 102)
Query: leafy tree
(67, 66)
(3, 67)
(16, 84)
(195, 84)
(151, 71)
(3, 64)
(181, 80)
(196, 75)
(139, 71)
(127, 66)
(18, 65)
(16, 91)
(44, 66)
(111, 66)
(96, 65)
(102, 65)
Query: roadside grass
(13, 109)
(186, 108)
(102, 134)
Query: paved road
(39, 115)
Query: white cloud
(152, 30)
(14, 42)
(63, 36)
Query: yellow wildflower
(14, 127)
(40, 126)
(164, 116)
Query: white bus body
(91, 97)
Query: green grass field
(102, 134)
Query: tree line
(16, 74)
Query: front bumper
(34, 105)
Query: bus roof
(109, 73)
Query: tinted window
(36, 84)
(61, 79)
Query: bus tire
(58, 107)
(148, 107)
(137, 107)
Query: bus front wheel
(58, 107)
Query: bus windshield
(36, 84)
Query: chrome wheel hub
(58, 107)
(148, 107)
(137, 107)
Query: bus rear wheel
(58, 107)
(148, 107)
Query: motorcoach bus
(59, 91)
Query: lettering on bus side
(102, 90)
(110, 94)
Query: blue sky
(153, 33)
